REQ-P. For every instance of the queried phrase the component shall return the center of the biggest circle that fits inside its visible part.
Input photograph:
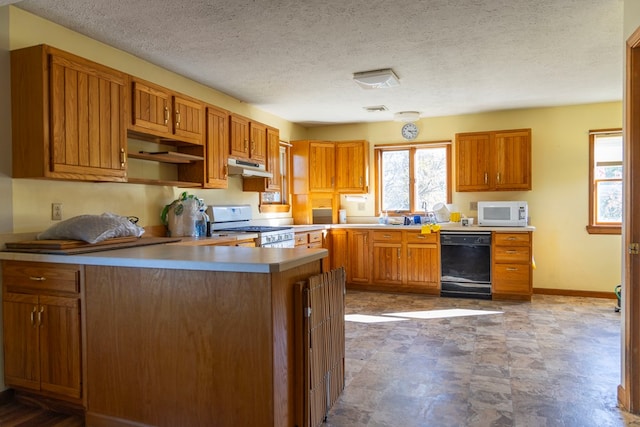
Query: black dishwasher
(465, 267)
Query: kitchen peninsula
(169, 334)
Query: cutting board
(64, 244)
(73, 247)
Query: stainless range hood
(248, 169)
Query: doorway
(629, 389)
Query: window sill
(275, 208)
(604, 229)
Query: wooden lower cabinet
(512, 269)
(388, 260)
(41, 317)
(423, 261)
(192, 348)
(359, 262)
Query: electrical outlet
(56, 211)
(360, 206)
(473, 206)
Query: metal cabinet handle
(387, 236)
(40, 315)
(511, 252)
(498, 177)
(177, 118)
(166, 115)
(398, 253)
(246, 144)
(512, 269)
(123, 158)
(33, 314)
(225, 172)
(361, 181)
(37, 278)
(486, 177)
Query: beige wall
(567, 257)
(32, 198)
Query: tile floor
(552, 362)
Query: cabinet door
(513, 160)
(273, 159)
(188, 116)
(352, 167)
(217, 148)
(21, 349)
(359, 257)
(239, 136)
(338, 250)
(151, 108)
(322, 166)
(387, 267)
(258, 145)
(59, 324)
(473, 162)
(423, 266)
(88, 129)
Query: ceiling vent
(376, 108)
(376, 79)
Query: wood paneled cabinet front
(388, 260)
(68, 117)
(512, 266)
(272, 165)
(494, 160)
(41, 315)
(248, 139)
(352, 167)
(217, 148)
(159, 111)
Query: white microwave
(503, 214)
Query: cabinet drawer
(417, 237)
(515, 254)
(301, 239)
(511, 239)
(41, 276)
(511, 276)
(387, 236)
(315, 245)
(315, 236)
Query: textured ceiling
(295, 58)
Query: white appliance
(248, 169)
(237, 219)
(503, 214)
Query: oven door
(465, 269)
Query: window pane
(608, 172)
(608, 148)
(609, 199)
(431, 176)
(395, 180)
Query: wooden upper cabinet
(68, 117)
(217, 148)
(151, 108)
(352, 166)
(513, 160)
(159, 112)
(473, 162)
(273, 159)
(239, 136)
(247, 139)
(494, 160)
(322, 166)
(258, 142)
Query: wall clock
(409, 131)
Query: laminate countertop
(180, 257)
